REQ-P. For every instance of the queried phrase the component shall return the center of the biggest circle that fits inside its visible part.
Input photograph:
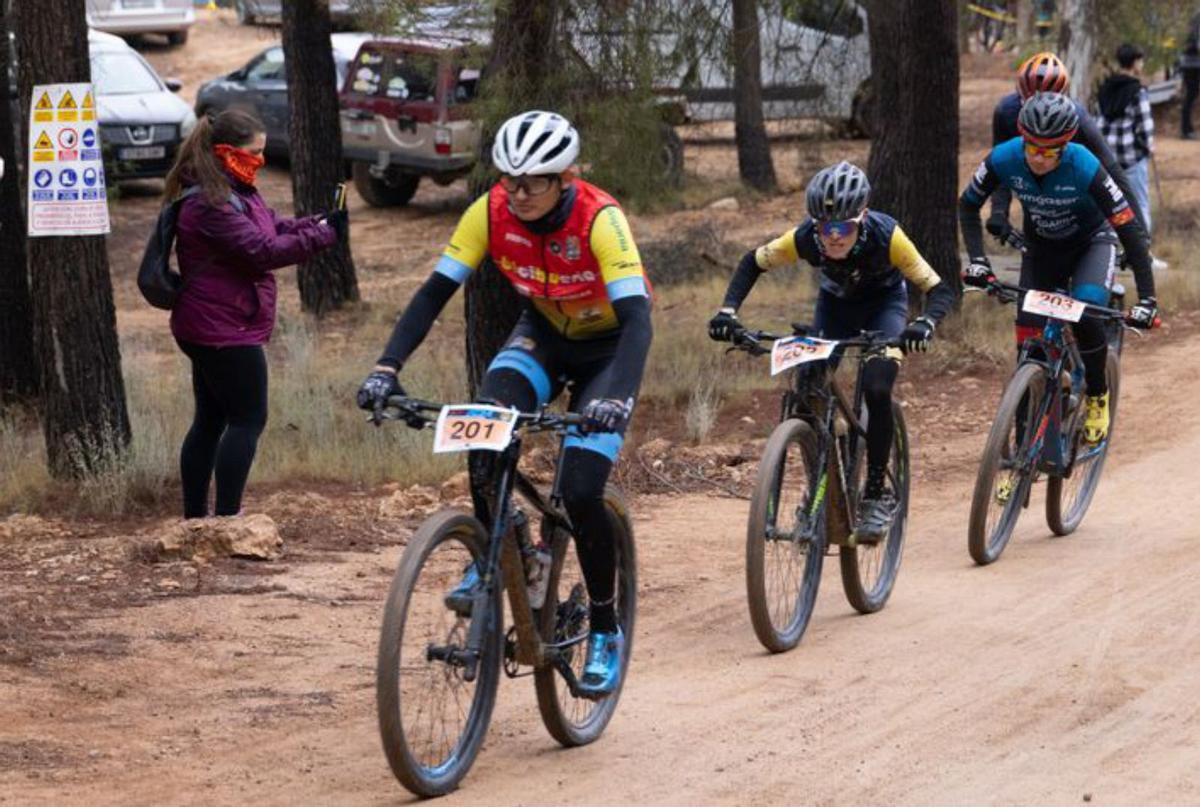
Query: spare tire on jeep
(393, 189)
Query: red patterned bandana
(240, 163)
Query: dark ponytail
(195, 164)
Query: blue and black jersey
(1063, 208)
(1004, 128)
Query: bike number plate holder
(473, 427)
(795, 350)
(1054, 304)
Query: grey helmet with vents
(535, 142)
(837, 193)
(1048, 118)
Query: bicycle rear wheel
(785, 537)
(1002, 485)
(431, 719)
(564, 618)
(1068, 498)
(869, 572)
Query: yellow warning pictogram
(43, 110)
(88, 103)
(67, 101)
(43, 141)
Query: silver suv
(172, 18)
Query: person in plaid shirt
(1127, 123)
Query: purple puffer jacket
(227, 257)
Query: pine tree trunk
(84, 417)
(1077, 35)
(913, 165)
(1024, 23)
(327, 280)
(884, 19)
(521, 60)
(18, 366)
(753, 147)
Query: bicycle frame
(503, 557)
(1051, 448)
(836, 453)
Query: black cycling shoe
(874, 519)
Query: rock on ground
(252, 536)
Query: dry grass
(315, 433)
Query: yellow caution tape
(995, 15)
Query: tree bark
(753, 147)
(885, 19)
(18, 365)
(84, 416)
(913, 165)
(521, 63)
(1077, 34)
(327, 281)
(1024, 23)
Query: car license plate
(361, 128)
(142, 153)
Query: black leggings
(230, 387)
(879, 375)
(584, 475)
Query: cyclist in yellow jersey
(565, 246)
(864, 258)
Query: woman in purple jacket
(229, 243)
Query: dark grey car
(260, 87)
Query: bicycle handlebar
(751, 340)
(1010, 293)
(417, 413)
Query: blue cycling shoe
(460, 598)
(602, 672)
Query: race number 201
(471, 427)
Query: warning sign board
(66, 192)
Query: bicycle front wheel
(1005, 475)
(573, 720)
(1068, 498)
(869, 572)
(433, 708)
(785, 537)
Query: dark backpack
(157, 281)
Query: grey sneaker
(874, 519)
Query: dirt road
(1065, 672)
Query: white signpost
(66, 171)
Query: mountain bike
(437, 671)
(1038, 429)
(809, 483)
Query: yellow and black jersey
(881, 258)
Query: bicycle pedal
(512, 667)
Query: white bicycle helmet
(535, 142)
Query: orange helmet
(1042, 72)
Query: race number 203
(1054, 304)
